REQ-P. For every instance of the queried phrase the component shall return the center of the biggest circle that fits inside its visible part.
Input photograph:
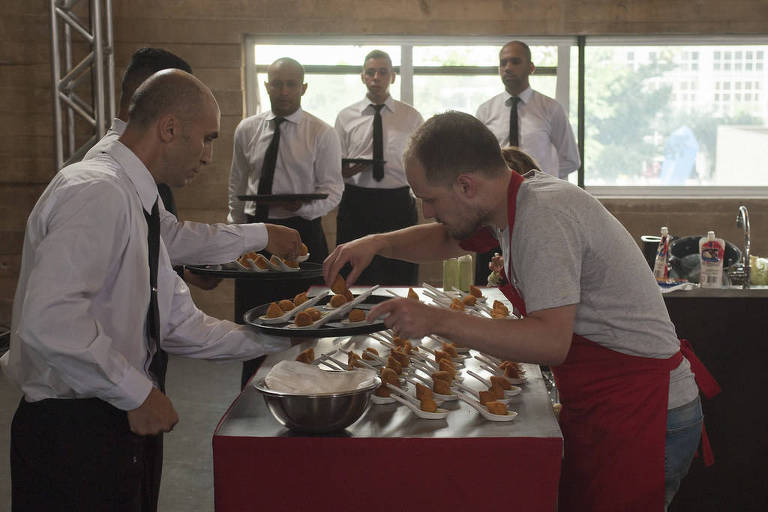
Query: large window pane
(676, 115)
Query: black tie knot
(278, 121)
(378, 108)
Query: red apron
(613, 417)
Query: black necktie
(514, 130)
(159, 361)
(268, 172)
(378, 144)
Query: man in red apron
(591, 310)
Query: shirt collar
(137, 172)
(365, 103)
(524, 96)
(295, 118)
(118, 125)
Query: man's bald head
(170, 91)
(287, 64)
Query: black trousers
(80, 455)
(364, 211)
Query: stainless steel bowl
(317, 413)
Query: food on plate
(338, 300)
(398, 341)
(441, 387)
(485, 397)
(291, 263)
(348, 295)
(496, 408)
(303, 250)
(352, 359)
(474, 290)
(412, 294)
(446, 366)
(495, 313)
(370, 354)
(303, 319)
(423, 391)
(339, 285)
(395, 365)
(306, 356)
(501, 381)
(274, 311)
(512, 369)
(469, 300)
(300, 298)
(286, 305)
(496, 390)
(388, 376)
(400, 357)
(275, 260)
(428, 405)
(450, 349)
(260, 261)
(314, 313)
(442, 375)
(457, 305)
(500, 307)
(439, 354)
(356, 315)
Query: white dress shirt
(354, 125)
(195, 243)
(79, 313)
(308, 162)
(544, 130)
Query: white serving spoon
(290, 314)
(440, 414)
(463, 294)
(513, 391)
(280, 266)
(511, 415)
(500, 373)
(426, 382)
(476, 394)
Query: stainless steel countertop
(249, 416)
(755, 292)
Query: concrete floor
(200, 391)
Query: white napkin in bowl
(301, 378)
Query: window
(661, 116)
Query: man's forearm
(419, 244)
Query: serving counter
(389, 459)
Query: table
(389, 459)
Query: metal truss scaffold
(98, 67)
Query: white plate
(381, 400)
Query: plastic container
(661, 264)
(450, 273)
(712, 253)
(466, 272)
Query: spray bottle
(660, 267)
(712, 253)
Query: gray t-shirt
(568, 249)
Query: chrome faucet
(742, 221)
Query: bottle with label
(712, 253)
(661, 266)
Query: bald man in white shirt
(89, 314)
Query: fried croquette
(352, 359)
(450, 349)
(395, 365)
(412, 294)
(286, 305)
(306, 356)
(442, 375)
(500, 307)
(348, 295)
(303, 250)
(474, 290)
(300, 298)
(485, 397)
(428, 405)
(303, 319)
(314, 313)
(388, 376)
(339, 285)
(457, 305)
(274, 311)
(260, 261)
(291, 263)
(275, 261)
(496, 390)
(501, 381)
(423, 391)
(338, 300)
(356, 315)
(496, 408)
(469, 300)
(441, 387)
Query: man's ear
(168, 127)
(466, 186)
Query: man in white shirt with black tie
(377, 198)
(286, 150)
(84, 329)
(528, 120)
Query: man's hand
(283, 241)
(201, 281)
(407, 318)
(348, 170)
(358, 253)
(154, 416)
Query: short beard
(478, 220)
